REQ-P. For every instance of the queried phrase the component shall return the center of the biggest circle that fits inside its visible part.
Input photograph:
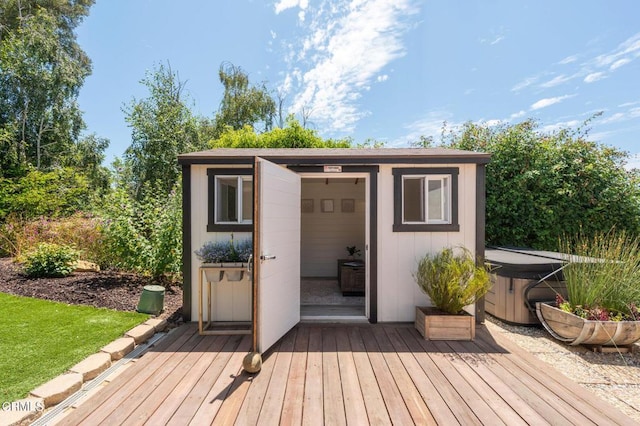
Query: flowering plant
(225, 251)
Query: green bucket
(151, 300)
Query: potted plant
(225, 257)
(452, 281)
(353, 251)
(602, 277)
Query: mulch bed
(104, 289)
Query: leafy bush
(603, 276)
(542, 185)
(452, 281)
(50, 260)
(225, 251)
(143, 236)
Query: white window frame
(239, 201)
(445, 204)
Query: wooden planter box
(575, 330)
(435, 325)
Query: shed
(303, 207)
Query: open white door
(277, 234)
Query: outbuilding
(303, 207)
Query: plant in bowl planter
(602, 277)
(225, 254)
(452, 281)
(353, 251)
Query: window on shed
(230, 200)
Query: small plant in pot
(602, 276)
(224, 255)
(452, 280)
(353, 251)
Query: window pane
(247, 200)
(227, 200)
(435, 200)
(413, 200)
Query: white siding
(399, 252)
(239, 293)
(325, 236)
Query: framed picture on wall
(307, 205)
(326, 206)
(348, 205)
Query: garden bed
(104, 289)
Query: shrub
(452, 281)
(50, 260)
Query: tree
(542, 186)
(243, 104)
(162, 126)
(41, 71)
(293, 135)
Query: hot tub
(522, 277)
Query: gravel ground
(614, 377)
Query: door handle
(267, 257)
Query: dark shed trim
(186, 242)
(481, 204)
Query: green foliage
(60, 192)
(291, 136)
(143, 235)
(47, 338)
(162, 126)
(50, 260)
(243, 104)
(42, 69)
(603, 273)
(452, 281)
(542, 185)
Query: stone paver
(56, 390)
(119, 348)
(157, 324)
(141, 333)
(92, 366)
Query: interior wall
(325, 235)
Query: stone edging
(53, 392)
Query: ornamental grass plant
(452, 280)
(603, 276)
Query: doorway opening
(333, 248)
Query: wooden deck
(348, 374)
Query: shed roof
(335, 155)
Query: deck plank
(334, 413)
(374, 401)
(342, 374)
(206, 398)
(417, 407)
(354, 405)
(291, 406)
(313, 411)
(396, 407)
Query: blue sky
(381, 69)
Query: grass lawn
(40, 339)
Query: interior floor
(322, 298)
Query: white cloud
(497, 40)
(630, 114)
(524, 84)
(620, 62)
(543, 103)
(594, 76)
(634, 162)
(382, 78)
(568, 60)
(518, 114)
(347, 46)
(560, 125)
(556, 81)
(283, 5)
(491, 123)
